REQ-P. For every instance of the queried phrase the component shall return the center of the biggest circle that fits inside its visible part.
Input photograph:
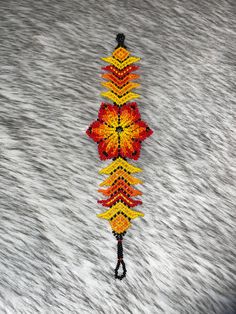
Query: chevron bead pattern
(119, 132)
(120, 163)
(119, 83)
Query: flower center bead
(119, 129)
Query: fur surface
(56, 256)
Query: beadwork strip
(119, 132)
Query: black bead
(120, 38)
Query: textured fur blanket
(56, 256)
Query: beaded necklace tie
(119, 131)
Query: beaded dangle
(119, 132)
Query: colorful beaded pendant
(119, 132)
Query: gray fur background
(56, 256)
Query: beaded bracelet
(119, 131)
